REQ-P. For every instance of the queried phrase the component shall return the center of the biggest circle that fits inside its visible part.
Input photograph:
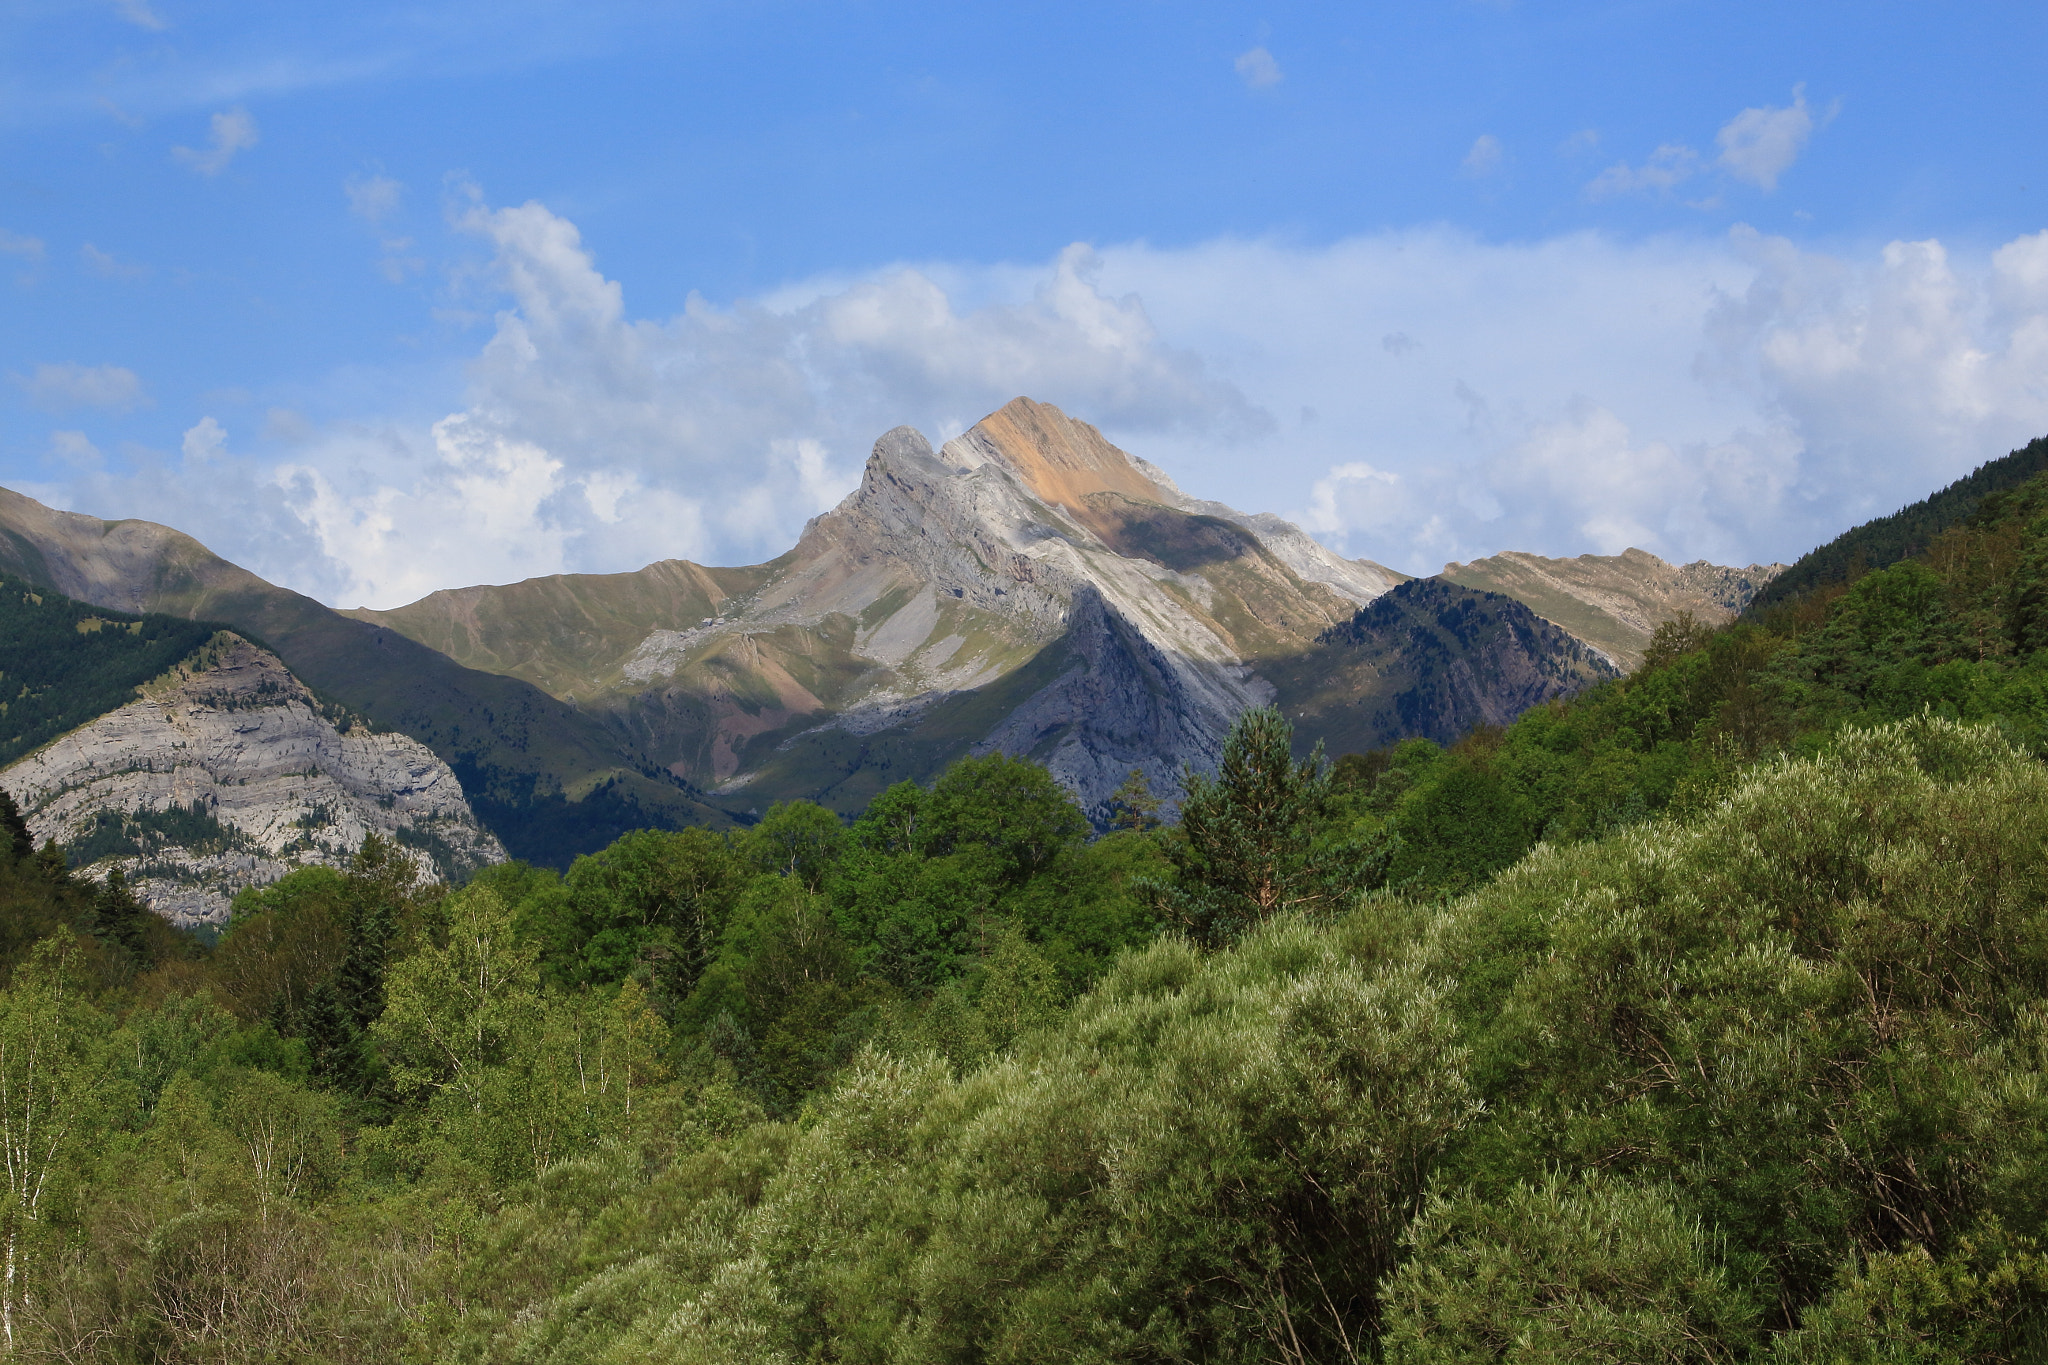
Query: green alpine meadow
(1700, 1016)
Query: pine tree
(118, 917)
(16, 844)
(1247, 834)
(1132, 806)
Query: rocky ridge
(1616, 602)
(228, 773)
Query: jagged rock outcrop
(1616, 602)
(228, 773)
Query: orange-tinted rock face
(1061, 460)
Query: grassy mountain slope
(1906, 532)
(547, 779)
(64, 663)
(1615, 602)
(567, 634)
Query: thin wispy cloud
(1258, 69)
(1484, 158)
(1666, 168)
(138, 13)
(373, 198)
(232, 131)
(12, 244)
(108, 266)
(28, 249)
(63, 387)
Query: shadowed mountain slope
(1430, 659)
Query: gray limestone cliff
(229, 773)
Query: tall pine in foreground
(1247, 835)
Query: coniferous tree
(51, 864)
(334, 1039)
(1132, 805)
(1247, 845)
(16, 844)
(118, 917)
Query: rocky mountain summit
(1026, 587)
(227, 772)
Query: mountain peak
(1060, 460)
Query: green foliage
(653, 901)
(794, 839)
(64, 663)
(141, 833)
(1699, 1019)
(1567, 1269)
(120, 919)
(1008, 807)
(1247, 847)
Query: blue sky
(381, 298)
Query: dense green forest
(1700, 1018)
(63, 663)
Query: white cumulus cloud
(1734, 398)
(1759, 145)
(592, 439)
(204, 441)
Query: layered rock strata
(233, 756)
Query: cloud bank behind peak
(1736, 398)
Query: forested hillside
(1909, 531)
(1697, 1018)
(62, 662)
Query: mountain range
(1024, 587)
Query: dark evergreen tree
(119, 918)
(52, 865)
(1246, 849)
(334, 1039)
(16, 844)
(380, 880)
